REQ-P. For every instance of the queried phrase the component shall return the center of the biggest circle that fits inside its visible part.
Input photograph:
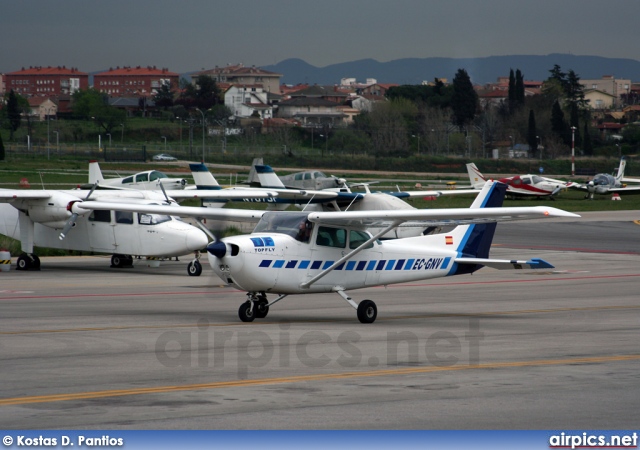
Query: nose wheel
(194, 268)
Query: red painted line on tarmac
(119, 294)
(536, 280)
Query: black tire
(117, 260)
(194, 269)
(245, 313)
(24, 262)
(367, 311)
(261, 309)
(35, 264)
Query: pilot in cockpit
(304, 231)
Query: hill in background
(481, 70)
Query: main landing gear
(28, 261)
(120, 261)
(257, 307)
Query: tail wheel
(367, 311)
(245, 312)
(194, 269)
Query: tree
(512, 92)
(465, 99)
(91, 103)
(532, 135)
(558, 124)
(164, 97)
(13, 113)
(519, 89)
(203, 94)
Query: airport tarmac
(86, 346)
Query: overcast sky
(191, 35)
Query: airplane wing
(9, 195)
(222, 194)
(437, 217)
(417, 194)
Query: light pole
(573, 151)
(165, 143)
(199, 110)
(57, 141)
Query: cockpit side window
(357, 238)
(100, 215)
(127, 180)
(142, 177)
(152, 219)
(331, 237)
(124, 217)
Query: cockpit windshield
(295, 225)
(604, 179)
(155, 175)
(536, 179)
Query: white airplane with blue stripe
(321, 252)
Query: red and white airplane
(521, 185)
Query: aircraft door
(100, 229)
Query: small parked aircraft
(308, 179)
(322, 252)
(149, 179)
(604, 184)
(51, 218)
(521, 185)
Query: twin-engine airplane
(320, 252)
(604, 184)
(521, 185)
(51, 218)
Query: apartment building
(46, 81)
(134, 81)
(610, 85)
(240, 75)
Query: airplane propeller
(74, 216)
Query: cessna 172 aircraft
(308, 179)
(321, 252)
(50, 218)
(142, 180)
(604, 184)
(521, 185)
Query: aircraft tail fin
(474, 241)
(475, 176)
(95, 174)
(252, 180)
(202, 178)
(268, 177)
(623, 164)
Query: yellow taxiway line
(308, 378)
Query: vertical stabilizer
(202, 178)
(475, 176)
(620, 174)
(95, 174)
(475, 240)
(268, 177)
(253, 176)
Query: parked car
(164, 157)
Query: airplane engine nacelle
(51, 212)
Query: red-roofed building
(46, 81)
(241, 75)
(134, 81)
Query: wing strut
(348, 256)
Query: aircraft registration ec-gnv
(321, 252)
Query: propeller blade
(70, 223)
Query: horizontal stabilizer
(506, 264)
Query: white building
(245, 100)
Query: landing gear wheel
(245, 312)
(35, 263)
(118, 260)
(24, 262)
(261, 309)
(367, 311)
(194, 269)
